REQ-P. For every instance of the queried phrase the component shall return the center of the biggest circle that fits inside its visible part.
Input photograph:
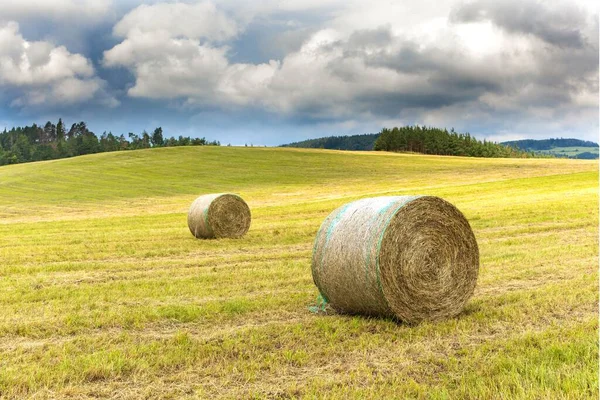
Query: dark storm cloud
(407, 59)
(553, 22)
(441, 77)
(558, 73)
(393, 104)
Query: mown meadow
(104, 293)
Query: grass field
(104, 293)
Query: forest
(418, 139)
(429, 140)
(52, 141)
(353, 142)
(548, 144)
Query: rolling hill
(565, 148)
(105, 293)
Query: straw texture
(220, 215)
(414, 258)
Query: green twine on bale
(321, 306)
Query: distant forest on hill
(547, 144)
(564, 148)
(417, 139)
(354, 142)
(428, 140)
(37, 143)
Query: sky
(272, 72)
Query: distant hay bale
(220, 215)
(414, 258)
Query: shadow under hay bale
(220, 215)
(414, 258)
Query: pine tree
(60, 131)
(48, 133)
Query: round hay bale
(414, 258)
(220, 215)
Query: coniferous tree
(49, 133)
(60, 130)
(157, 137)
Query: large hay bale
(220, 215)
(410, 257)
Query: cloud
(557, 70)
(44, 74)
(555, 23)
(492, 66)
(194, 21)
(169, 68)
(180, 56)
(339, 72)
(65, 10)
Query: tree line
(52, 141)
(354, 142)
(548, 144)
(429, 140)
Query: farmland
(104, 293)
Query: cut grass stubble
(104, 292)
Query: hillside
(417, 139)
(351, 142)
(564, 148)
(570, 148)
(106, 294)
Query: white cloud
(177, 55)
(194, 21)
(43, 74)
(168, 68)
(174, 51)
(71, 10)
